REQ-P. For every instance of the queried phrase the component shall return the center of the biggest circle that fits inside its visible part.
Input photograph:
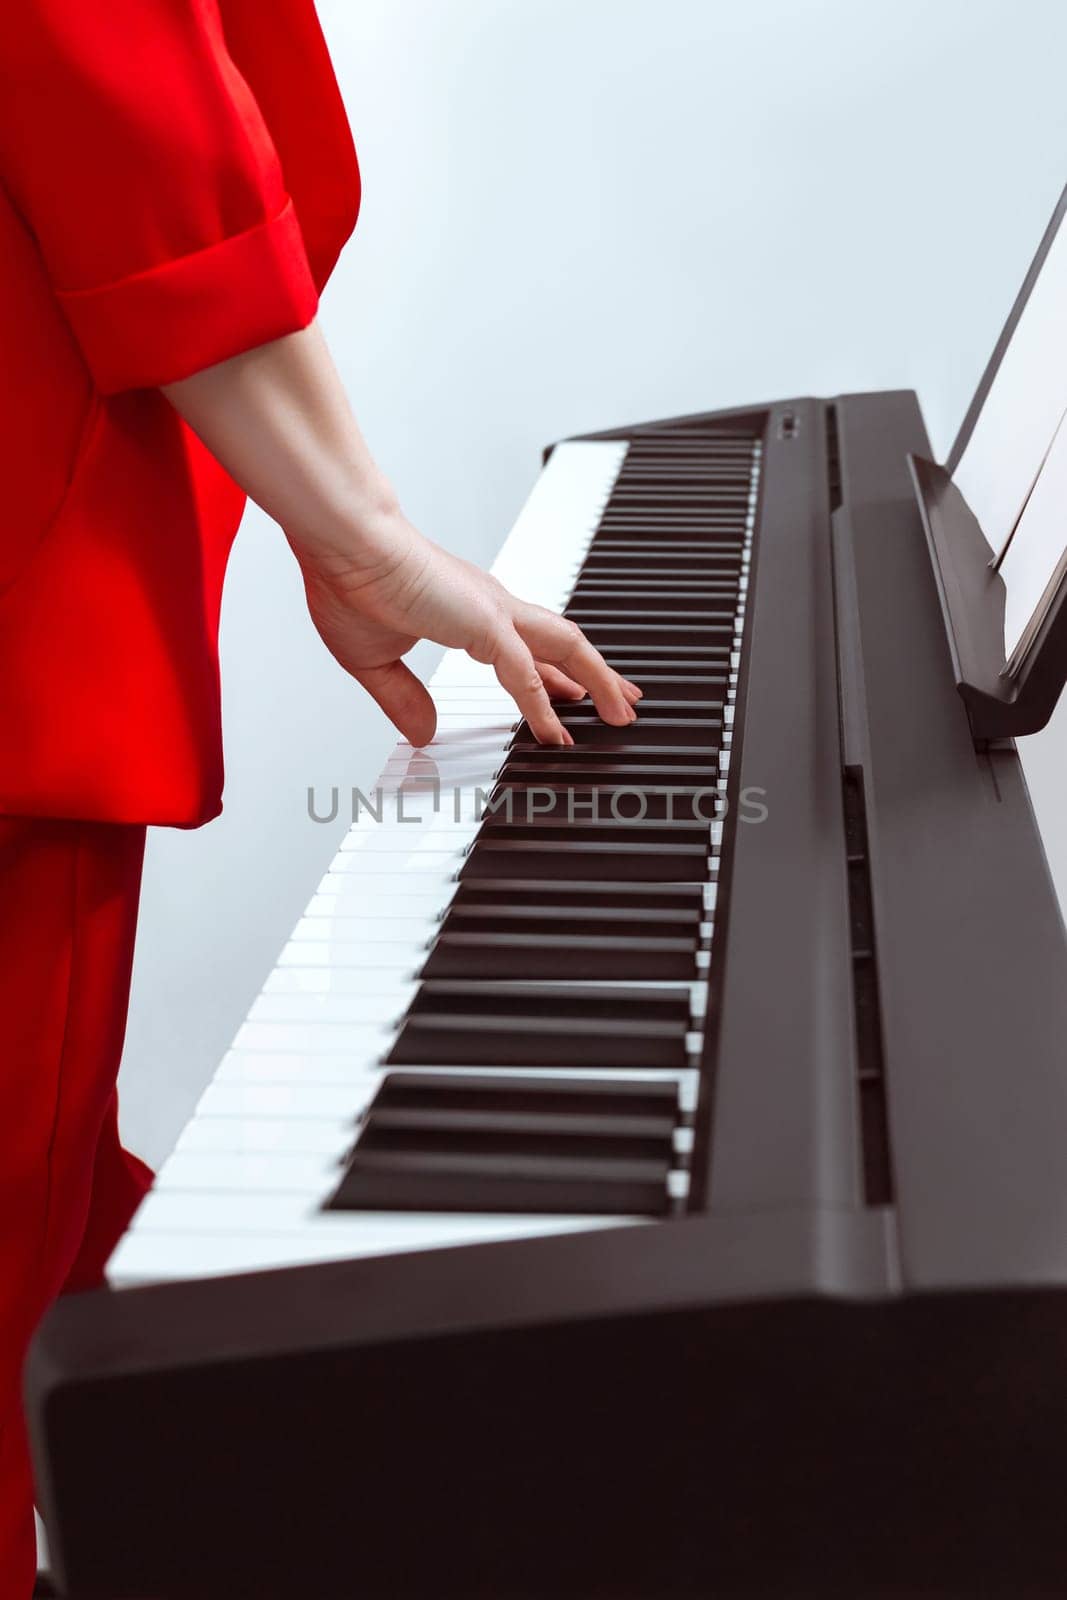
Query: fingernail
(567, 738)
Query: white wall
(579, 213)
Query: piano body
(707, 1229)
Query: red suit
(177, 179)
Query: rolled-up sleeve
(140, 160)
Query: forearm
(278, 419)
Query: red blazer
(177, 178)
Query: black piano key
(655, 603)
(502, 917)
(561, 955)
(664, 681)
(670, 476)
(629, 618)
(681, 485)
(600, 830)
(667, 551)
(664, 447)
(587, 730)
(729, 492)
(485, 1182)
(621, 757)
(587, 772)
(729, 502)
(516, 1133)
(549, 859)
(613, 635)
(564, 1000)
(664, 554)
(648, 664)
(720, 581)
(684, 560)
(667, 590)
(590, 600)
(663, 468)
(538, 1024)
(652, 712)
(643, 582)
(429, 1038)
(709, 530)
(605, 1098)
(645, 801)
(633, 564)
(683, 899)
(730, 499)
(657, 704)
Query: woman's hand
(370, 612)
(278, 419)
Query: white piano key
(455, 666)
(313, 1136)
(495, 728)
(678, 1184)
(350, 898)
(344, 980)
(408, 821)
(351, 929)
(455, 743)
(278, 1066)
(153, 1257)
(319, 1101)
(460, 784)
(350, 875)
(425, 765)
(395, 808)
(444, 763)
(328, 1005)
(380, 989)
(305, 1037)
(490, 693)
(415, 841)
(435, 864)
(250, 1172)
(365, 954)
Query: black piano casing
(792, 1390)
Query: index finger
(558, 640)
(517, 671)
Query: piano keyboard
(490, 1026)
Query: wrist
(361, 530)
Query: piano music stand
(971, 591)
(972, 596)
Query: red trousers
(68, 910)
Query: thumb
(404, 699)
